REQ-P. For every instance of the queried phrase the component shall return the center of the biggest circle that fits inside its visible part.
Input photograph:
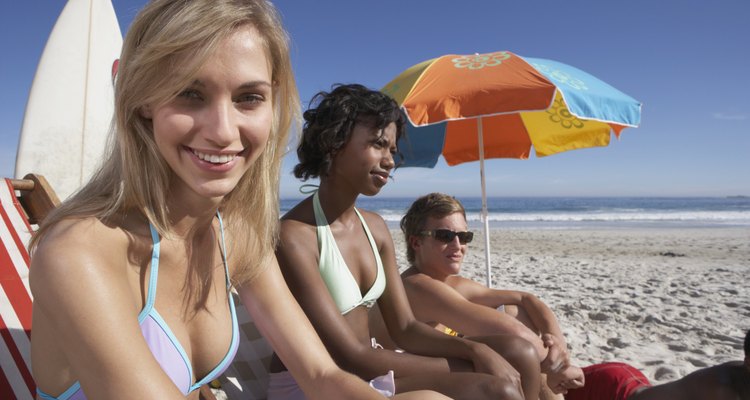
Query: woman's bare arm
(298, 258)
(282, 322)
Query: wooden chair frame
(37, 197)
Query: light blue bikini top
(336, 274)
(163, 344)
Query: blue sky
(686, 61)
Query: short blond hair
(435, 205)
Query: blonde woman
(131, 276)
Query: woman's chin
(215, 190)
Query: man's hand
(570, 378)
(557, 358)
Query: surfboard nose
(71, 101)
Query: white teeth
(214, 158)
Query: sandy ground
(667, 301)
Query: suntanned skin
(361, 167)
(728, 381)
(299, 347)
(86, 309)
(89, 276)
(439, 296)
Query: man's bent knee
(497, 388)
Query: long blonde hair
(134, 176)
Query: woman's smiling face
(213, 131)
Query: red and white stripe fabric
(16, 381)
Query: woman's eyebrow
(255, 84)
(249, 84)
(198, 83)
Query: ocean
(582, 212)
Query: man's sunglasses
(447, 235)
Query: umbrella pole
(485, 218)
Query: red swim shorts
(609, 381)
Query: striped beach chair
(23, 203)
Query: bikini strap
(153, 274)
(223, 250)
(308, 188)
(320, 216)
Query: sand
(667, 301)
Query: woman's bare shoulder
(372, 218)
(75, 234)
(378, 227)
(75, 250)
(298, 223)
(302, 212)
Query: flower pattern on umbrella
(559, 114)
(479, 61)
(561, 77)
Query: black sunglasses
(447, 235)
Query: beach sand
(667, 301)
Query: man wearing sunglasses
(436, 235)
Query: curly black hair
(330, 119)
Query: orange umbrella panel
(523, 102)
(505, 136)
(456, 87)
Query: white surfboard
(71, 102)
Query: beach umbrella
(499, 105)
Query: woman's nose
(221, 127)
(388, 162)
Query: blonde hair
(134, 176)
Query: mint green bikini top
(336, 273)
